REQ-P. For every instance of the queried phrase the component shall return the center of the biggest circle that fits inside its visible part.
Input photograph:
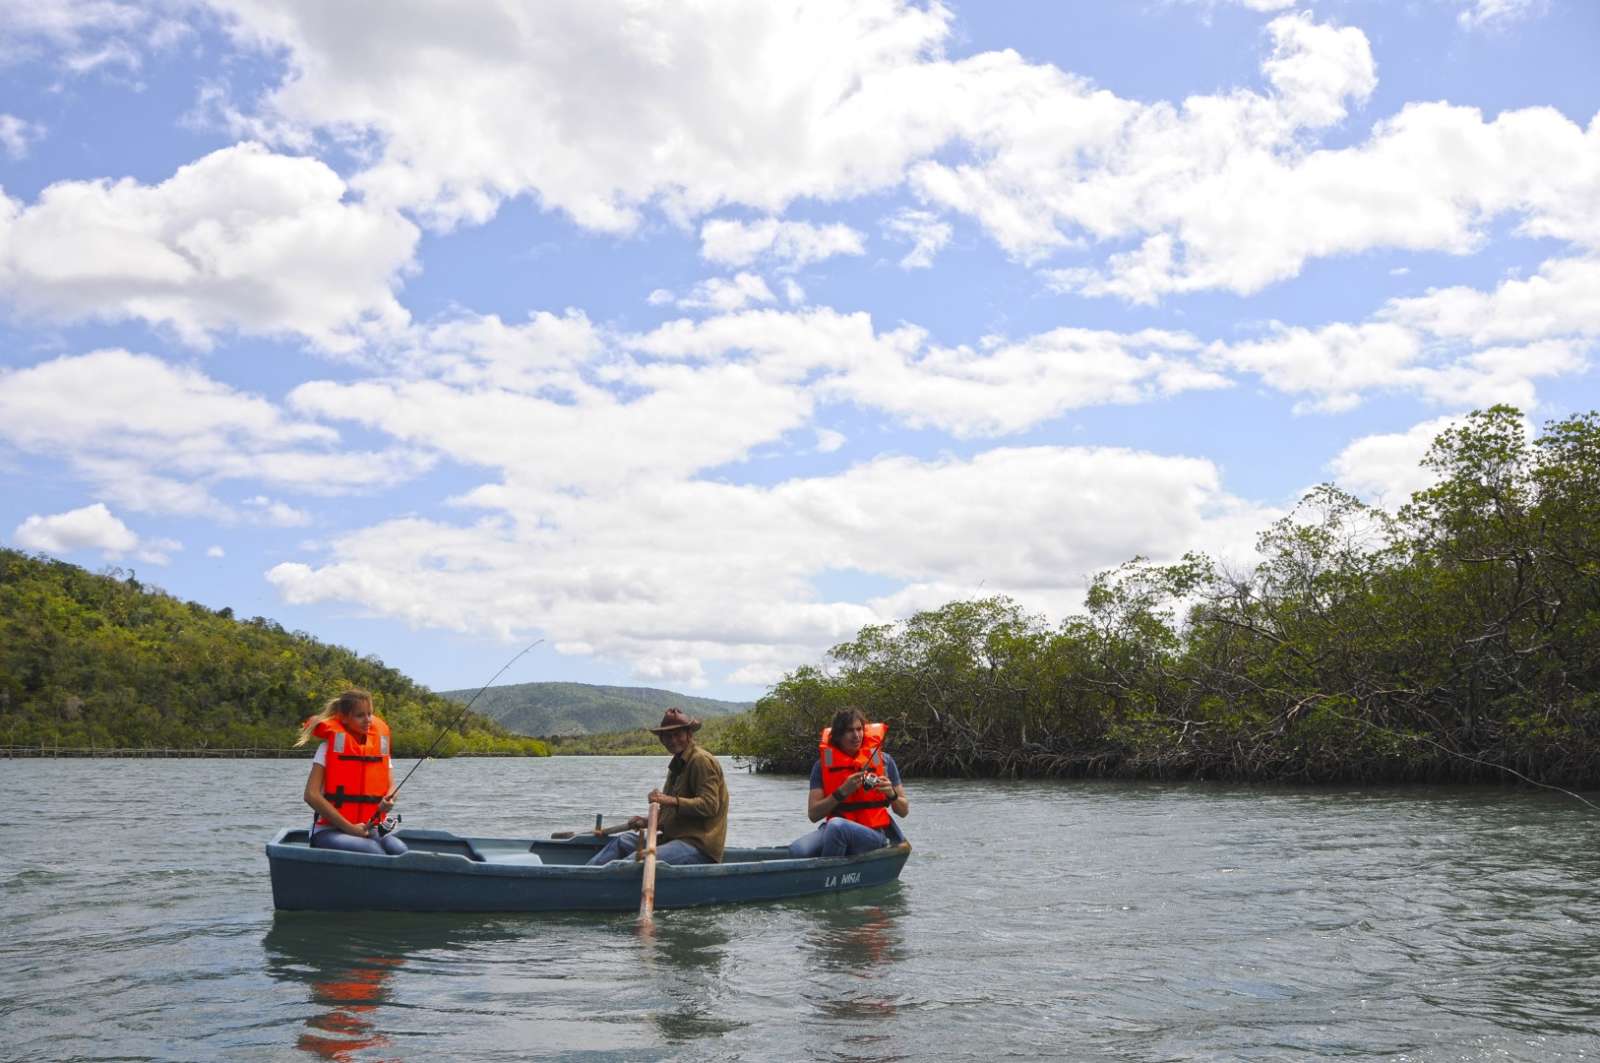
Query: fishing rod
(447, 728)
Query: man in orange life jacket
(854, 786)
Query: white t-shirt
(320, 757)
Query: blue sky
(691, 338)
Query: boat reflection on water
(346, 966)
(853, 949)
(687, 945)
(345, 1009)
(687, 951)
(347, 963)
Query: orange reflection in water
(863, 946)
(349, 1025)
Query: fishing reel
(388, 826)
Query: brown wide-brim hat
(675, 720)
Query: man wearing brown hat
(694, 803)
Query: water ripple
(1035, 921)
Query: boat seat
(516, 859)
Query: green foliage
(1459, 634)
(105, 661)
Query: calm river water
(1087, 921)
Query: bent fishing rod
(447, 728)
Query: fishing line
(1464, 756)
(459, 717)
(1502, 767)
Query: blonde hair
(336, 706)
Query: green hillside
(104, 661)
(581, 708)
(722, 735)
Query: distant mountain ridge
(583, 708)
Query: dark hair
(842, 721)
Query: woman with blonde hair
(349, 787)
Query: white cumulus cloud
(154, 436)
(791, 244)
(91, 527)
(17, 135)
(81, 36)
(1480, 13)
(241, 239)
(618, 104)
(924, 230)
(726, 294)
(1014, 386)
(628, 109)
(1336, 367)
(1562, 299)
(609, 515)
(1317, 69)
(681, 574)
(278, 514)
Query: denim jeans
(838, 837)
(333, 838)
(666, 853)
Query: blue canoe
(444, 872)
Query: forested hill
(104, 661)
(579, 708)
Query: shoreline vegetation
(1457, 640)
(102, 662)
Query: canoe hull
(448, 873)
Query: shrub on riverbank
(1458, 635)
(102, 661)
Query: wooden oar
(598, 832)
(647, 888)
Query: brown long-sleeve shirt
(701, 816)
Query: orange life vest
(356, 777)
(836, 767)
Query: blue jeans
(333, 838)
(838, 837)
(669, 853)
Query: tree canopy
(1448, 641)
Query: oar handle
(598, 832)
